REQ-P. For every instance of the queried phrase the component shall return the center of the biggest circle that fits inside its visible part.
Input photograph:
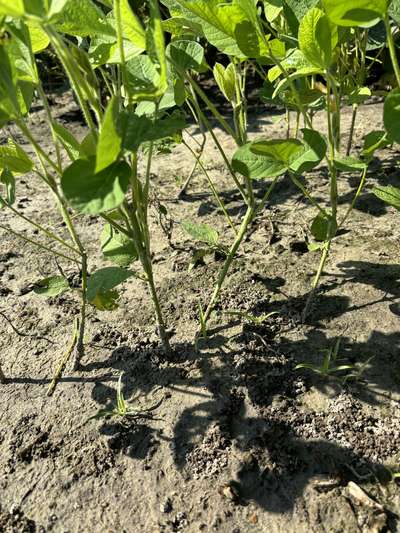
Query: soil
(240, 440)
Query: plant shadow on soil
(251, 407)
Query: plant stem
(352, 126)
(317, 278)
(356, 196)
(212, 187)
(228, 261)
(79, 351)
(39, 245)
(392, 49)
(64, 361)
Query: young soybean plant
(103, 167)
(19, 79)
(321, 34)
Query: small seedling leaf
(106, 279)
(321, 228)
(106, 301)
(117, 247)
(202, 233)
(52, 286)
(375, 141)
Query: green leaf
(280, 150)
(359, 95)
(321, 228)
(202, 233)
(7, 179)
(389, 194)
(312, 153)
(364, 13)
(8, 94)
(375, 140)
(155, 46)
(117, 247)
(39, 38)
(225, 78)
(391, 115)
(92, 193)
(349, 164)
(88, 146)
(256, 166)
(82, 18)
(143, 129)
(52, 286)
(20, 52)
(186, 54)
(106, 301)
(315, 38)
(132, 27)
(14, 158)
(217, 21)
(104, 280)
(110, 138)
(70, 144)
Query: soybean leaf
(70, 144)
(7, 179)
(143, 129)
(186, 54)
(391, 114)
(110, 138)
(218, 21)
(323, 227)
(364, 13)
(38, 37)
(317, 38)
(280, 150)
(88, 146)
(106, 279)
(8, 95)
(375, 140)
(117, 247)
(14, 158)
(132, 26)
(82, 18)
(52, 286)
(20, 52)
(106, 301)
(92, 193)
(359, 96)
(256, 166)
(155, 46)
(202, 232)
(348, 164)
(225, 78)
(312, 153)
(300, 7)
(389, 194)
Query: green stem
(317, 278)
(43, 230)
(352, 127)
(356, 196)
(39, 245)
(228, 261)
(212, 187)
(220, 149)
(392, 49)
(307, 194)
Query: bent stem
(352, 126)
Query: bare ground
(241, 440)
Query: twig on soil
(64, 361)
(22, 334)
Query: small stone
(166, 507)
